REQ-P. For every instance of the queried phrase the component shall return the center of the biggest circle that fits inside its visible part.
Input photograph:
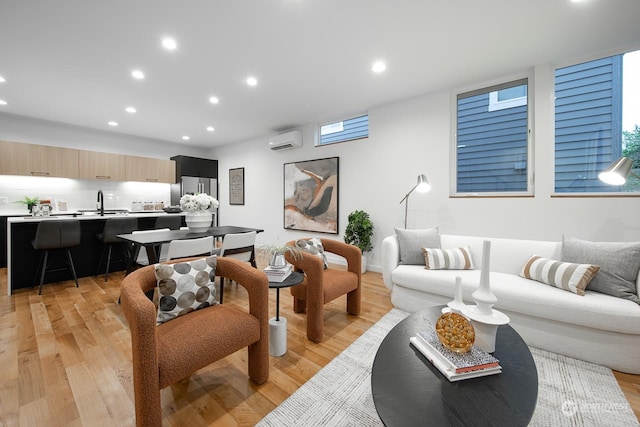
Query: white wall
(413, 137)
(82, 194)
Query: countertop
(84, 216)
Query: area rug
(570, 392)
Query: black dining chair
(109, 237)
(54, 235)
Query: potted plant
(275, 253)
(199, 209)
(30, 202)
(359, 232)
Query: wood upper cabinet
(13, 158)
(104, 166)
(150, 170)
(38, 160)
(43, 160)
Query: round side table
(278, 325)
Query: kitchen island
(22, 259)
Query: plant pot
(277, 261)
(199, 221)
(363, 268)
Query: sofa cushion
(411, 243)
(619, 264)
(448, 259)
(314, 247)
(564, 275)
(185, 287)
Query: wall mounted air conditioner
(286, 141)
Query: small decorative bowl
(455, 332)
(172, 209)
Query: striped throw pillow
(448, 259)
(564, 275)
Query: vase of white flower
(199, 209)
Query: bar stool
(113, 227)
(52, 235)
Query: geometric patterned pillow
(448, 259)
(184, 287)
(314, 247)
(564, 275)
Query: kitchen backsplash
(79, 193)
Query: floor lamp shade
(617, 172)
(422, 186)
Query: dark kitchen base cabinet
(24, 259)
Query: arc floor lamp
(422, 186)
(617, 172)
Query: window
(508, 98)
(346, 130)
(492, 144)
(597, 114)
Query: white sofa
(596, 327)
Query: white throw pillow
(564, 275)
(448, 259)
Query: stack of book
(277, 274)
(455, 366)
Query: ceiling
(70, 61)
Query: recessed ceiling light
(112, 123)
(2, 79)
(169, 43)
(131, 110)
(210, 128)
(3, 102)
(378, 67)
(137, 74)
(252, 81)
(214, 100)
(186, 138)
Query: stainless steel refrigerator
(195, 185)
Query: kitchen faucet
(101, 200)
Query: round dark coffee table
(409, 391)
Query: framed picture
(60, 206)
(236, 186)
(311, 195)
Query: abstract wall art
(311, 195)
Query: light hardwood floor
(65, 359)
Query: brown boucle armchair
(321, 286)
(165, 354)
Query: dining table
(151, 241)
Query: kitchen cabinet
(38, 160)
(103, 166)
(14, 158)
(21, 259)
(149, 170)
(194, 166)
